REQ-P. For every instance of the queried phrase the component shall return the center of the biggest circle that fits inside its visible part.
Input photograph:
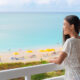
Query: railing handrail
(28, 71)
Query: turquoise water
(31, 30)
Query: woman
(70, 54)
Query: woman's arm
(60, 59)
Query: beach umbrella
(52, 49)
(29, 51)
(16, 53)
(42, 50)
(47, 50)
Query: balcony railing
(28, 71)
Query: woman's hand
(60, 59)
(52, 60)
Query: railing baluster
(28, 77)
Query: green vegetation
(4, 66)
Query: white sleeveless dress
(72, 61)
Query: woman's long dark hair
(72, 19)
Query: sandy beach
(24, 57)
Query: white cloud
(3, 2)
(22, 2)
(10, 2)
(73, 2)
(26, 5)
(44, 1)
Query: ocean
(31, 30)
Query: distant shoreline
(35, 48)
(26, 57)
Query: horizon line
(42, 12)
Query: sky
(11, 24)
(39, 5)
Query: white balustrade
(28, 71)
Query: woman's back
(74, 53)
(72, 61)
